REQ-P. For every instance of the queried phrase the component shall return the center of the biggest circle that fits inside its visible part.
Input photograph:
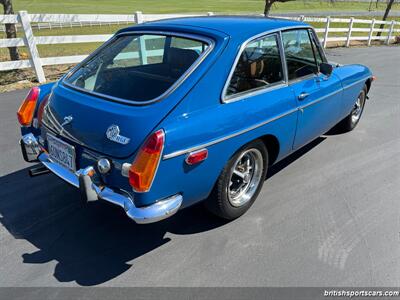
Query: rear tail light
(27, 108)
(144, 167)
(42, 105)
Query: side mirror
(326, 69)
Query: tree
(269, 3)
(11, 32)
(387, 11)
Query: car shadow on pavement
(276, 168)
(91, 243)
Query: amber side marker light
(144, 167)
(373, 78)
(27, 108)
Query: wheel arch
(273, 147)
(368, 83)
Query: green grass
(63, 49)
(183, 6)
(159, 6)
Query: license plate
(61, 152)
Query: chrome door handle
(303, 96)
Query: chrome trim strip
(55, 127)
(198, 147)
(255, 92)
(227, 99)
(330, 94)
(170, 90)
(319, 99)
(283, 58)
(357, 82)
(216, 141)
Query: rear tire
(240, 182)
(351, 121)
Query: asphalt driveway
(327, 216)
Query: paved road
(327, 216)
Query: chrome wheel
(357, 110)
(245, 176)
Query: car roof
(241, 27)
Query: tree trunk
(387, 11)
(267, 7)
(11, 31)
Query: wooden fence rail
(26, 21)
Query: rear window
(138, 67)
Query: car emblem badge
(67, 120)
(112, 134)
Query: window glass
(316, 47)
(259, 66)
(137, 67)
(299, 53)
(178, 42)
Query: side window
(316, 47)
(259, 66)
(299, 53)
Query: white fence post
(142, 42)
(138, 17)
(31, 44)
(349, 33)
(389, 37)
(302, 18)
(328, 22)
(371, 32)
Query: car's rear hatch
(93, 114)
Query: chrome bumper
(81, 179)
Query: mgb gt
(169, 113)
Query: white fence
(26, 21)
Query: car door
(258, 94)
(318, 97)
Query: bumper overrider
(82, 179)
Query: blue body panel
(195, 116)
(320, 110)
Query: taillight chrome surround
(144, 168)
(27, 108)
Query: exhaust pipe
(36, 171)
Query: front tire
(351, 121)
(240, 181)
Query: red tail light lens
(144, 167)
(41, 109)
(27, 108)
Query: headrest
(256, 69)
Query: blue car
(170, 113)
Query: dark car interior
(145, 82)
(255, 69)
